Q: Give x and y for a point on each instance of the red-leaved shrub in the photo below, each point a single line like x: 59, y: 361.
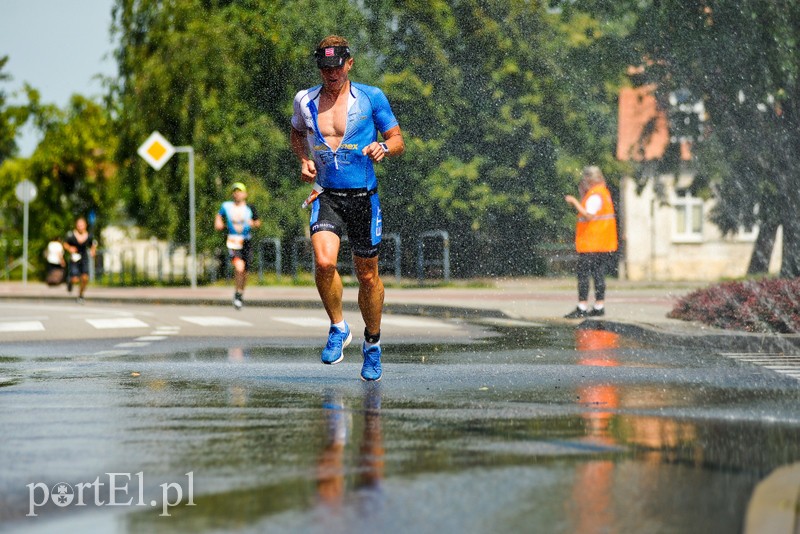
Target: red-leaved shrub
x: 768, y: 306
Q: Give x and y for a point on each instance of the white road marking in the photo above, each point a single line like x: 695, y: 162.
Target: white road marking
x: 132, y: 344
x: 150, y: 338
x: 21, y: 326
x: 126, y: 322
x: 166, y: 330
x: 413, y: 322
x: 498, y: 321
x: 112, y: 353
x: 401, y: 322
x: 309, y: 322
x: 786, y: 364
x: 215, y: 321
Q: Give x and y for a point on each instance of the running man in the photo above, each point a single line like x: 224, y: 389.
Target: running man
x: 238, y: 219
x: 334, y: 134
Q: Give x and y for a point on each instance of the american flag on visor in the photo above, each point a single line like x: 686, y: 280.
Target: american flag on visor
x: 329, y: 52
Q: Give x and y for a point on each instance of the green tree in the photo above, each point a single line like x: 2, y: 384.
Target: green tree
x: 485, y: 92
x: 219, y: 76
x: 9, y: 121
x: 72, y: 168
x: 501, y: 107
x: 740, y: 58
x: 11, y: 118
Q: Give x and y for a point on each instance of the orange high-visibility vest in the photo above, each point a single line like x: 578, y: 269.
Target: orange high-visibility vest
x: 600, y: 233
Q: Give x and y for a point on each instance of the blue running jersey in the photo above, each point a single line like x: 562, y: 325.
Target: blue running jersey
x: 236, y: 218
x: 368, y: 112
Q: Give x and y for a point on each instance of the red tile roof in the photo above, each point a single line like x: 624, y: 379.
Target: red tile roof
x: 643, y: 133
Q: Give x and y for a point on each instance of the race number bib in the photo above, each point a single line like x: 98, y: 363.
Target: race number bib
x: 235, y: 241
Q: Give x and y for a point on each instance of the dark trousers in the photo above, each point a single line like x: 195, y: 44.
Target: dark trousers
x: 594, y: 265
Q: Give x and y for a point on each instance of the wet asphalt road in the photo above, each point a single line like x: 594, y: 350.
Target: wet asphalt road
x: 476, y: 427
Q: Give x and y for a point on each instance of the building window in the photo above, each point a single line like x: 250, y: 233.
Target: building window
x: 688, y: 217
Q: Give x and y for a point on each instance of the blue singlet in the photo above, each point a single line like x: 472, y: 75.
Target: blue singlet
x: 368, y: 112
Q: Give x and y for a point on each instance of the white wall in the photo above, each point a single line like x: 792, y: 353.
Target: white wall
x: 123, y: 245
x: 653, y: 251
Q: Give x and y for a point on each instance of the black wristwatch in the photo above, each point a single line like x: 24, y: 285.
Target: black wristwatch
x: 385, y: 147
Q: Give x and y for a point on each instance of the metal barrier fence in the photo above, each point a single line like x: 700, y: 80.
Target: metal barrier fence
x: 392, y: 259
x: 171, y: 263
x: 559, y: 259
x: 152, y: 264
x: 440, y: 265
x: 274, y: 244
x: 306, y: 255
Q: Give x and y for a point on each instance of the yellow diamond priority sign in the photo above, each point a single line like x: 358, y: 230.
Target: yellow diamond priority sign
x: 156, y: 150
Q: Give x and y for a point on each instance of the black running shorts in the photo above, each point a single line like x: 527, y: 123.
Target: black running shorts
x: 355, y: 212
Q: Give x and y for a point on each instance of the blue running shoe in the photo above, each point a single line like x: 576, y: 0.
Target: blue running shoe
x: 337, y: 341
x: 371, y: 370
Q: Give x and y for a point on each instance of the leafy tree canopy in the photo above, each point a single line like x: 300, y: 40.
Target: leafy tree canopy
x: 501, y: 103
x: 741, y: 60
x: 72, y: 168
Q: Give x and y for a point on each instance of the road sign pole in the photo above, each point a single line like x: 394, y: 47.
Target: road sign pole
x: 25, y: 241
x: 192, y: 225
x: 25, y: 192
x: 156, y: 151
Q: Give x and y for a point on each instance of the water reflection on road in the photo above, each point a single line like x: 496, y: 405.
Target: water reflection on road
x: 367, y: 469
x: 553, y: 430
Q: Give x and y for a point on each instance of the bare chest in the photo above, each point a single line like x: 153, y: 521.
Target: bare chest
x: 332, y: 119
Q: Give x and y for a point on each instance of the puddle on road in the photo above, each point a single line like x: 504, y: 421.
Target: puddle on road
x: 567, y: 430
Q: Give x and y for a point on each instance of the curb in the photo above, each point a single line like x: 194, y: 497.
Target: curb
x: 716, y: 340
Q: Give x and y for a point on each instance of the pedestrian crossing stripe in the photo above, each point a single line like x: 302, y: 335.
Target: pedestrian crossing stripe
x: 785, y: 364
x: 215, y: 321
x: 160, y: 333
x: 123, y: 322
x: 310, y: 322
x: 21, y: 326
x: 401, y: 322
x: 413, y: 322
x: 166, y: 330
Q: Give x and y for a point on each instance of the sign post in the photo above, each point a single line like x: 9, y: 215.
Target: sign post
x: 25, y: 192
x: 156, y: 151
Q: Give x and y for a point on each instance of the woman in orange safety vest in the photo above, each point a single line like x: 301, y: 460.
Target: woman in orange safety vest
x: 595, y: 240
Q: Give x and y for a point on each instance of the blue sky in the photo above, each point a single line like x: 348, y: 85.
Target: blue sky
x: 58, y: 47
